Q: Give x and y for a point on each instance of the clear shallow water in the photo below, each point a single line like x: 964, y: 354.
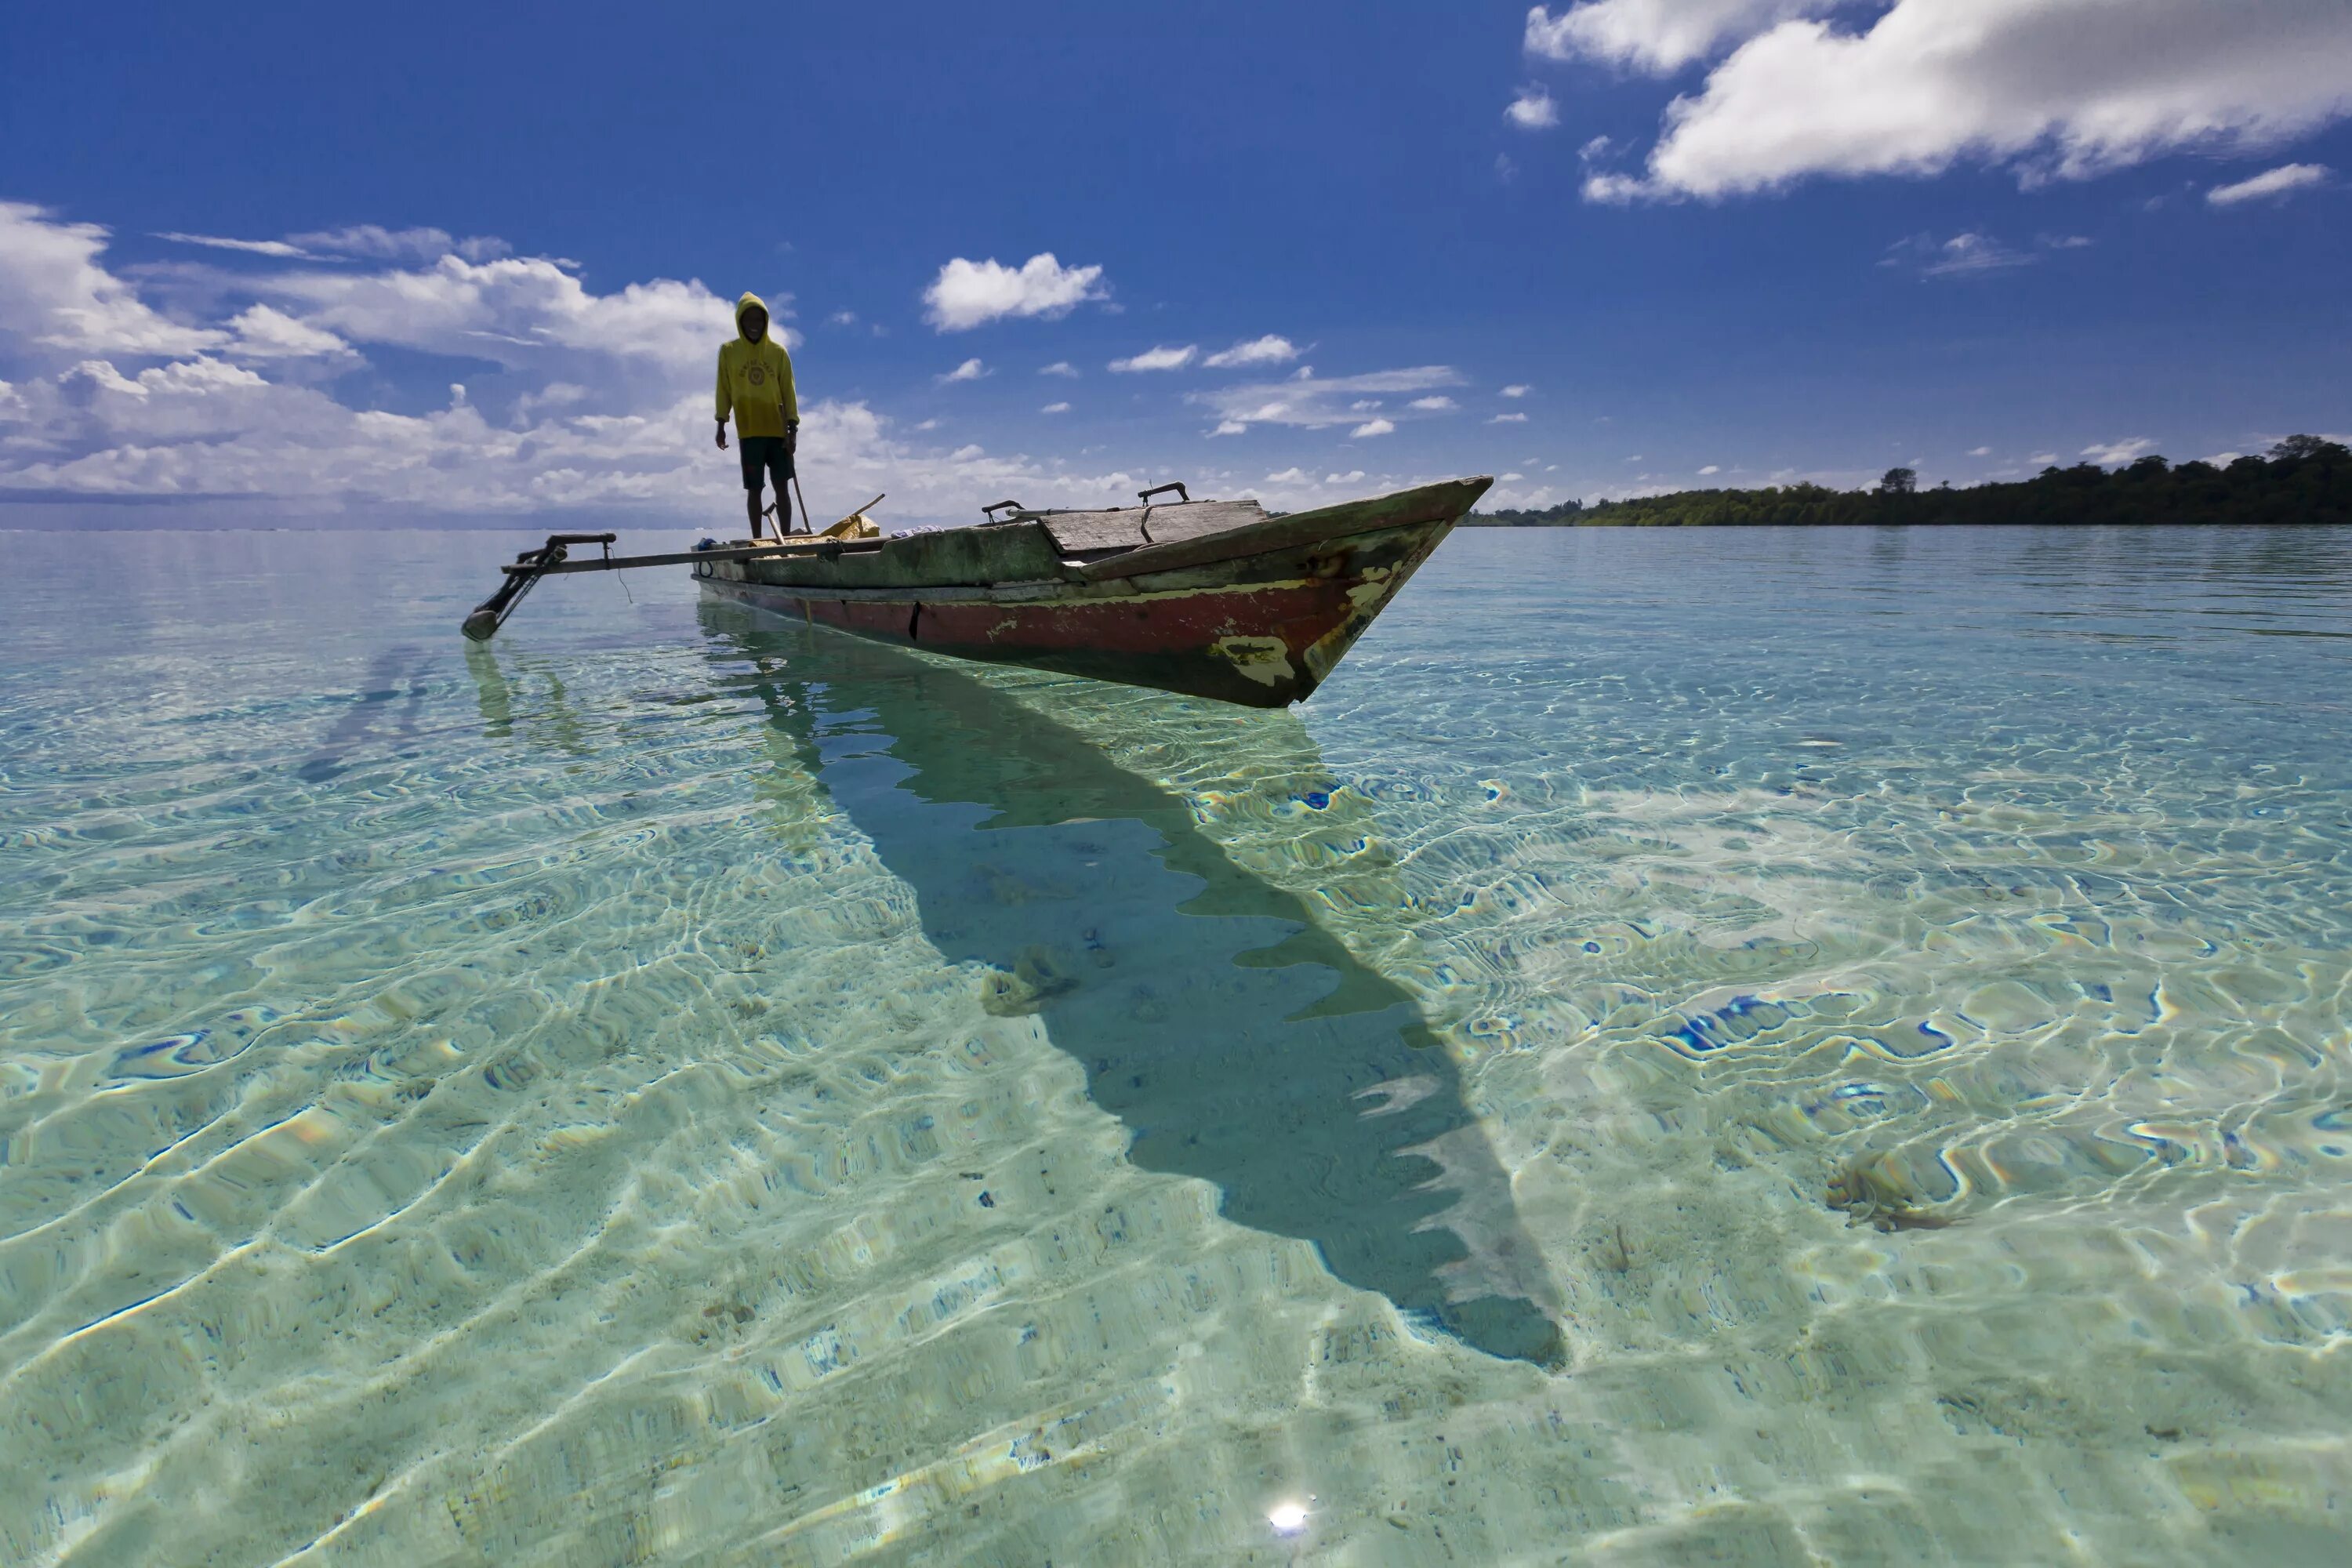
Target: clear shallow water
x: 672, y: 1088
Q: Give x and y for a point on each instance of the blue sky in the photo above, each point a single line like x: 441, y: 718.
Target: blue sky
x: 1710, y: 242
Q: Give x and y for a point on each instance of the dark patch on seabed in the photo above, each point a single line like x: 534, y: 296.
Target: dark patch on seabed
x: 1239, y: 1042
x: 395, y: 673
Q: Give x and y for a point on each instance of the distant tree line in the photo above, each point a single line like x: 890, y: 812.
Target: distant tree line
x: 2304, y: 479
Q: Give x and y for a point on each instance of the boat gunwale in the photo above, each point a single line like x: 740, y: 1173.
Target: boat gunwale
x: 1070, y: 587
x: 1446, y: 501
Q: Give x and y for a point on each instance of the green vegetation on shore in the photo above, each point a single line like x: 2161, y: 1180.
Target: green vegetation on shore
x: 2304, y: 479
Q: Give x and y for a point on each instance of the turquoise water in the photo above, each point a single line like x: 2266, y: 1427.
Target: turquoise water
x: 1733, y: 1045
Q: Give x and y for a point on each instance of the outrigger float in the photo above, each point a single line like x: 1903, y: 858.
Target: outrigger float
x: 1210, y: 598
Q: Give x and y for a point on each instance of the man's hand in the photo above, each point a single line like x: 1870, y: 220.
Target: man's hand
x: 722, y: 435
x: 792, y: 439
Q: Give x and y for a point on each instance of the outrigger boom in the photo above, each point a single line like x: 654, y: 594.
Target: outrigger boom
x: 550, y: 561
x: 553, y: 557
x: 527, y: 568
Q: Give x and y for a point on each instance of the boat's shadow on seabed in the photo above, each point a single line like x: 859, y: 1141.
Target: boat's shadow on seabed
x: 1239, y: 1042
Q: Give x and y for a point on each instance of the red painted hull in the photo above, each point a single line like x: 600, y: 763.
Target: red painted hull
x: 1258, y: 617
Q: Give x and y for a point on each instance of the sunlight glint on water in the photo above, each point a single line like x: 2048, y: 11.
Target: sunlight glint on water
x: 1726, y: 1045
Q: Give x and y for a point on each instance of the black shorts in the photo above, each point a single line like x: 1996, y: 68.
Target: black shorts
x: 766, y: 453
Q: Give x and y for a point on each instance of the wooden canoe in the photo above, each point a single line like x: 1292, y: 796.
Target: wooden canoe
x: 1211, y: 599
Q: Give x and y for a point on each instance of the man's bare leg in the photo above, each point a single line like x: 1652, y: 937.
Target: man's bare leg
x: 752, y: 506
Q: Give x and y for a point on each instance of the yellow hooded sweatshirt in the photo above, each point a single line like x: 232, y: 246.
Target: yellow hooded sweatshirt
x: 755, y: 380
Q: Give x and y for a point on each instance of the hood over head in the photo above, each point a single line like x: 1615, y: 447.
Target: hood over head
x: 746, y: 303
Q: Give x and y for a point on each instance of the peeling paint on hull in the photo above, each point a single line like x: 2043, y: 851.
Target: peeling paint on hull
x: 1261, y: 626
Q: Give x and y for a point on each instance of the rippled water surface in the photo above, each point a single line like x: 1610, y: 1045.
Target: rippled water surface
x: 1733, y: 1045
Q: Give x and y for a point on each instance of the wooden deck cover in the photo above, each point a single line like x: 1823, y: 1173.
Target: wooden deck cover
x: 1013, y: 552
x: 1132, y: 527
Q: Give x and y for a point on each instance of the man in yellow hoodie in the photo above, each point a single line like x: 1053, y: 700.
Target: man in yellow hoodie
x: 755, y: 381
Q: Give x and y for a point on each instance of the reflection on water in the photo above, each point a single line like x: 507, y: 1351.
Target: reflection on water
x: 669, y: 1088
x: 1238, y: 1042
x: 386, y: 709
x: 551, y: 722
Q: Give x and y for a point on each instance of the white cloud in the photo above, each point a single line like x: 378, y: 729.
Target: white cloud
x: 375, y: 242
x: 265, y: 334
x: 56, y: 299
x: 1654, y: 36
x: 1506, y: 495
x: 523, y: 313
x: 276, y: 247
x: 1287, y: 476
x: 1510, y: 479
x: 1961, y: 254
x: 1533, y: 109
x: 2051, y: 88
x: 2279, y: 182
x: 1306, y: 402
x: 370, y: 241
x: 968, y: 294
x: 213, y: 419
x: 1230, y: 427
x: 197, y: 377
x: 970, y: 370
x: 1980, y: 451
x: 1614, y: 189
x: 1353, y: 476
x: 1371, y: 427
x: 842, y: 318
x: 2068, y: 241
x: 555, y: 394
x: 1436, y: 404
x: 1054, y: 408
x: 2042, y: 459
x: 1517, y: 391
x: 2110, y: 454
x: 1711, y: 468
x: 604, y: 399
x: 1508, y: 419
x: 1061, y: 367
x: 1162, y: 358
x: 1267, y: 349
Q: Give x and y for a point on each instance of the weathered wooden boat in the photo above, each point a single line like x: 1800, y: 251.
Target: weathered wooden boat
x: 1212, y: 598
